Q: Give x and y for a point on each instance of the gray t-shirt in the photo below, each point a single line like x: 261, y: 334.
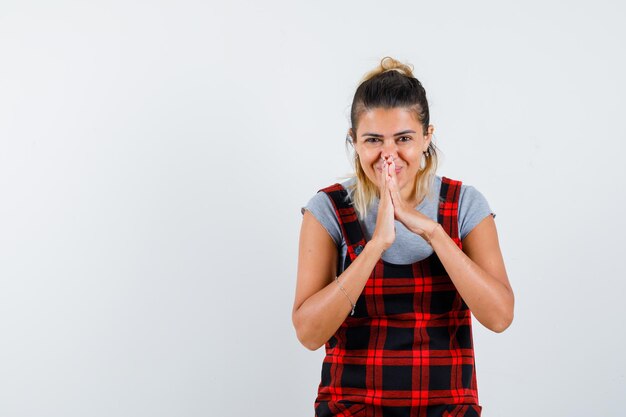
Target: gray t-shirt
x: 408, y: 247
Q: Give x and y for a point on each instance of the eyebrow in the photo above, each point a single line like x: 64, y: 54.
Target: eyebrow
x: 376, y: 135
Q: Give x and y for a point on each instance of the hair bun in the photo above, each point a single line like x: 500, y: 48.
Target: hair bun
x: 390, y: 64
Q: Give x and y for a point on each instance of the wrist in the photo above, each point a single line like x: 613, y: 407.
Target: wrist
x: 411, y: 219
x: 434, y: 233
x: 375, y: 248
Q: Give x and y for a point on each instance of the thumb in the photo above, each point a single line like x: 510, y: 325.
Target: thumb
x: 384, y: 174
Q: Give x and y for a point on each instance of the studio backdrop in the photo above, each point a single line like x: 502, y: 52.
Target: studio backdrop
x: 154, y: 158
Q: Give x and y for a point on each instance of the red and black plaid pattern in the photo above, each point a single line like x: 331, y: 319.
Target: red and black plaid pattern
x: 408, y: 349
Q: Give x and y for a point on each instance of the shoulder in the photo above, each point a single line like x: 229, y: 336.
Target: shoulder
x: 322, y: 198
x: 322, y: 207
x: 473, y: 208
x: 345, y: 186
x: 470, y: 196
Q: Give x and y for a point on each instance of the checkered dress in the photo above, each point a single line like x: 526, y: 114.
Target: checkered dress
x: 407, y: 350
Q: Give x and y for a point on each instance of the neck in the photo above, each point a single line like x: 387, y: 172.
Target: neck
x: 410, y: 196
x: 409, y: 193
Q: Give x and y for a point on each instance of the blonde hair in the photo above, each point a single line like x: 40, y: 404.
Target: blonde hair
x: 390, y: 85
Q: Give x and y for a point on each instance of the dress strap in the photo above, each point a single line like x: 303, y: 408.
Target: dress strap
x: 348, y: 219
x: 448, y: 215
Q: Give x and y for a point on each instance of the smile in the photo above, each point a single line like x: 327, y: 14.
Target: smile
x: 380, y: 169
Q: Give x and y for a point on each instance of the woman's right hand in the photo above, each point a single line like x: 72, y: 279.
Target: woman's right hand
x: 385, y: 231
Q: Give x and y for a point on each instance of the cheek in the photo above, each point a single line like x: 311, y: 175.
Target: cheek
x: 368, y: 159
x: 367, y: 164
x: 411, y: 156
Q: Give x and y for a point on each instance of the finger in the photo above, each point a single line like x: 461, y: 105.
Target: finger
x: 384, y: 175
x: 380, y: 176
x: 392, y: 167
x: 383, y: 180
x: 394, y: 189
x: 392, y: 170
x: 389, y: 169
x: 389, y: 165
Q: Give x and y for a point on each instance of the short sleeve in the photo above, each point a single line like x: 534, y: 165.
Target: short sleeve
x: 473, y: 208
x: 323, y: 210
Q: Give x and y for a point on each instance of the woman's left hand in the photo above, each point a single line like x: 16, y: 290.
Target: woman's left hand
x: 412, y: 219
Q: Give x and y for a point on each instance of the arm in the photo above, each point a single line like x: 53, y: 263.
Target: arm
x: 478, y: 272
x: 320, y: 306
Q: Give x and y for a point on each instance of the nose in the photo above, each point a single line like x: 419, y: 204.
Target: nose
x: 389, y: 149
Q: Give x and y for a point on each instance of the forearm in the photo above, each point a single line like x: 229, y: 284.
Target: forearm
x: 319, y: 317
x: 489, y: 300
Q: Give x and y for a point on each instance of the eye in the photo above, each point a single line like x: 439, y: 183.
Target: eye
x: 371, y: 140
x: 404, y: 138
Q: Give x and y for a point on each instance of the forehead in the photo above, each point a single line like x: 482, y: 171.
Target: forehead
x: 388, y: 121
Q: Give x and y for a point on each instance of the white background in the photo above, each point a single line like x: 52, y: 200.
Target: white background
x: 154, y: 157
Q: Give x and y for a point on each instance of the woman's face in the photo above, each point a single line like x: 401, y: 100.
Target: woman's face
x: 392, y: 132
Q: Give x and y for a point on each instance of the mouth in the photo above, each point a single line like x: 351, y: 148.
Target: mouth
x: 380, y: 169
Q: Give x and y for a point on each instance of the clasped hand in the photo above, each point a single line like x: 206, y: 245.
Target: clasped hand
x: 392, y: 207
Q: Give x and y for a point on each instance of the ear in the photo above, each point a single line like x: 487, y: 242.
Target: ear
x: 351, y: 140
x: 429, y: 136
x: 351, y: 134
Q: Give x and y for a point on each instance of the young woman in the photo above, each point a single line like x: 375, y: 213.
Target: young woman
x: 392, y: 261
